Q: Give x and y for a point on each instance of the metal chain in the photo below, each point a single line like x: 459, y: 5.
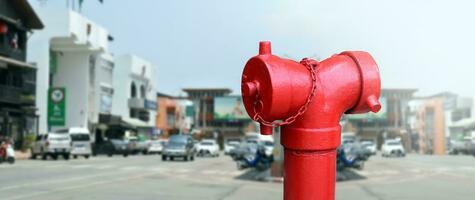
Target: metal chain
x: 311, y: 65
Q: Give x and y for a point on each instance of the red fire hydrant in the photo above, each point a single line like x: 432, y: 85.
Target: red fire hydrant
x: 307, y: 99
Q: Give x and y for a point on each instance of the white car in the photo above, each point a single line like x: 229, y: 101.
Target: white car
x: 156, y: 146
x: 370, y: 146
x: 52, y: 144
x: 230, y: 145
x: 393, y: 148
x: 208, y: 147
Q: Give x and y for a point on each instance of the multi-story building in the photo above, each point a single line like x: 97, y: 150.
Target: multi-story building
x: 135, y: 93
x: 219, y: 114
x: 174, y: 115
x: 75, y: 70
x: 436, y: 118
x: 427, y: 125
x: 203, y: 101
x: 18, y: 115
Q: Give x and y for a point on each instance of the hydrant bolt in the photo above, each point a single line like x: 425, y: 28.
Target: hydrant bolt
x: 265, y: 48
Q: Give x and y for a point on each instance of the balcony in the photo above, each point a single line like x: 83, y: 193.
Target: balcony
x: 136, y: 103
x: 9, y: 94
x: 142, y: 104
x: 16, y: 95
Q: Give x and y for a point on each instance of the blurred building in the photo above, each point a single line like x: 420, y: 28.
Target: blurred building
x: 428, y: 125
x: 435, y: 118
x: 186, y: 115
x: 390, y: 122
x: 174, y: 115
x: 203, y: 102
x: 462, y: 130
x: 17, y: 77
x: 75, y: 70
x: 218, y: 113
x: 135, y: 93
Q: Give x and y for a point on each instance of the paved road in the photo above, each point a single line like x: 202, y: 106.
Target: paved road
x: 135, y: 177
x: 414, y: 177
x: 147, y: 177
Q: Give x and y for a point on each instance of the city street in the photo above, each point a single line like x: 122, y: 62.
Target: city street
x: 147, y: 177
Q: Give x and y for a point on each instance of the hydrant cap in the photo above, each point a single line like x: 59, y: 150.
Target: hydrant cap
x: 266, y: 82
x: 370, y: 82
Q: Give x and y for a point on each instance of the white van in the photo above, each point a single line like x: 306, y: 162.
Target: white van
x: 80, y: 141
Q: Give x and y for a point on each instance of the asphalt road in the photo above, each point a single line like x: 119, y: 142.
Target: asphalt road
x: 414, y: 177
x: 147, y: 177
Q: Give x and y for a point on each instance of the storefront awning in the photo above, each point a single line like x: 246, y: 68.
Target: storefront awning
x: 464, y: 123
x: 135, y: 122
x: 4, y: 61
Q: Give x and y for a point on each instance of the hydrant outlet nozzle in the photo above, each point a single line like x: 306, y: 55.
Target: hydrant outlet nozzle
x: 373, y: 104
x: 266, y: 129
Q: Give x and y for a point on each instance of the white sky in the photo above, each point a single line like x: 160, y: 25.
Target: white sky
x: 424, y: 44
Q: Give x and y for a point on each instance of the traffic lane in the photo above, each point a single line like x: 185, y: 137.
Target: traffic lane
x: 164, y: 187
x: 434, y: 188
x: 38, y: 170
x: 414, y: 177
x: 86, y: 175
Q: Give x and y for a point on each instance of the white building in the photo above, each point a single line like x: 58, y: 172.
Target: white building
x: 72, y: 53
x: 135, y: 93
x: 186, y: 120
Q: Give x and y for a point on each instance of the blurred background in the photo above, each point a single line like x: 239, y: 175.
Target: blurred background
x: 105, y: 99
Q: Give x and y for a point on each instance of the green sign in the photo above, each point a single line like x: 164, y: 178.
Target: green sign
x: 190, y: 111
x: 56, y: 106
x: 229, y: 108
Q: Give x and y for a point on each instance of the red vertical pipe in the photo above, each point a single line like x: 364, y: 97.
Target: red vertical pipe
x: 309, y: 174
x: 311, y: 141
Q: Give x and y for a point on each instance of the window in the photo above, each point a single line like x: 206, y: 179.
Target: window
x: 142, y: 91
x: 133, y: 90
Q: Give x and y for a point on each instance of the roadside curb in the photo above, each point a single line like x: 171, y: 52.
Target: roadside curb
x: 275, y: 179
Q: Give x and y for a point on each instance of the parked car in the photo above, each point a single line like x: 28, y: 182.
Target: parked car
x: 80, y: 141
x: 156, y: 146
x: 179, y: 146
x: 393, y: 148
x: 269, y: 146
x: 462, y: 146
x: 246, y: 148
x: 231, y: 144
x: 208, y: 147
x: 53, y: 145
x: 113, y: 146
x: 138, y: 145
x: 370, y: 146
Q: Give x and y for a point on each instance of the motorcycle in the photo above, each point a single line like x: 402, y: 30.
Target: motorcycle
x: 348, y: 161
x: 259, y: 160
x: 7, y: 154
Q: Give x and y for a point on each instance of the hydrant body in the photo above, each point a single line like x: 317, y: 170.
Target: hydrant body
x: 309, y: 98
